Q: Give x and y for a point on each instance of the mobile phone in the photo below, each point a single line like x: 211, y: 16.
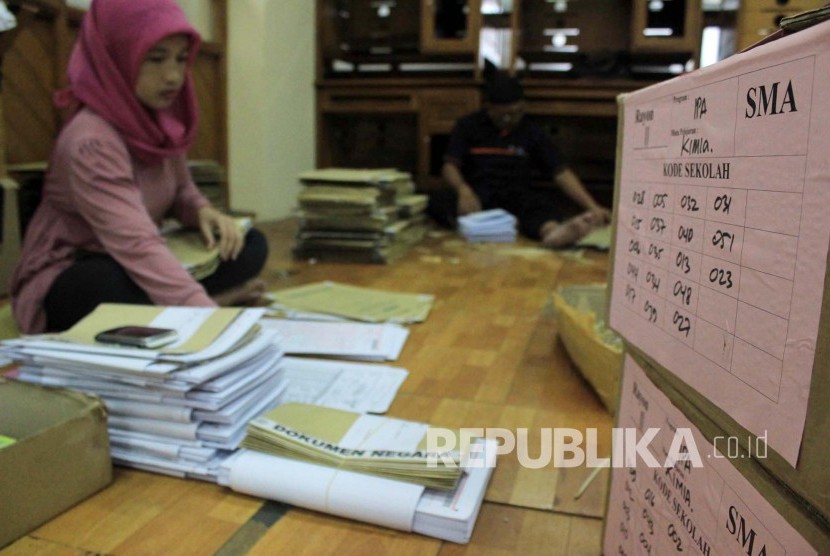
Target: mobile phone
x: 138, y: 336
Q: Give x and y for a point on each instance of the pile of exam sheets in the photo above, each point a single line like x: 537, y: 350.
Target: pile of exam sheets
x: 373, y: 444
x: 180, y: 410
x: 312, y: 472
x: 444, y: 514
x: 358, y: 215
x: 496, y: 225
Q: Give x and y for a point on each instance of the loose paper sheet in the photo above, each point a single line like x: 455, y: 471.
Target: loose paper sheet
x: 350, y: 386
x: 354, y: 340
x: 690, y: 510
x: 722, y: 230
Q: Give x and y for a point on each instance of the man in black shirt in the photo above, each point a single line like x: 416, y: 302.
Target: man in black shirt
x: 490, y: 162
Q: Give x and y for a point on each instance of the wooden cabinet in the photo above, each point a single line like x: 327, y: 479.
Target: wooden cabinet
x: 393, y: 76
x: 404, y: 127
x: 666, y: 25
x: 450, y: 25
x: 368, y: 127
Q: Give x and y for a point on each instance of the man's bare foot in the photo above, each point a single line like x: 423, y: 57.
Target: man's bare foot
x: 249, y: 294
x: 556, y: 235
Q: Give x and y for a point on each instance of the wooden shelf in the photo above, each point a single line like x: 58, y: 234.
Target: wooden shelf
x: 372, y: 48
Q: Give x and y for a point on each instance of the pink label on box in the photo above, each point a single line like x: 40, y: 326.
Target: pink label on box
x: 724, y: 193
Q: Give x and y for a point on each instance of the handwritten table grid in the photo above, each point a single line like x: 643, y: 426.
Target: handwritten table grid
x: 720, y: 255
x: 739, y: 318
x: 720, y: 248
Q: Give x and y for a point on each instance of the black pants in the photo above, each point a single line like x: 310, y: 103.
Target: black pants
x: 98, y: 278
x: 531, y: 206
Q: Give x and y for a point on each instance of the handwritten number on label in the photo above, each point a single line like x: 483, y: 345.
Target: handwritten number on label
x: 657, y: 225
x: 683, y: 324
x: 689, y: 203
x: 683, y: 291
x: 722, y: 203
x: 721, y: 277
x: 675, y: 538
x: 651, y: 311
x: 655, y: 251
x: 682, y: 262
x: 724, y: 240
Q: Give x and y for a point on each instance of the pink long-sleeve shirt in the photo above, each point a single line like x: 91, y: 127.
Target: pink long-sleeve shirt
x: 97, y: 197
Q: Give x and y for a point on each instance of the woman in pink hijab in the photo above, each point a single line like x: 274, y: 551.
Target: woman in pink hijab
x: 117, y: 170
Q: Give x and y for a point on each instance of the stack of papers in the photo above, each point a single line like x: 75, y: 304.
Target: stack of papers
x: 351, y: 302
x: 495, y: 225
x: 382, y: 446
x: 445, y: 514
x: 179, y: 410
x: 358, y: 215
x: 344, y: 340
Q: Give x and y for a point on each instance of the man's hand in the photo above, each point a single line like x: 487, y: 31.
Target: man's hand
x: 220, y: 231
x: 601, y: 214
x: 468, y: 202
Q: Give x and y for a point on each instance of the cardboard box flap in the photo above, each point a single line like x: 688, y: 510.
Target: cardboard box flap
x: 27, y: 410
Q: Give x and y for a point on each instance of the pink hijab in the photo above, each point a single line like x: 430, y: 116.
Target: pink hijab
x: 114, y: 38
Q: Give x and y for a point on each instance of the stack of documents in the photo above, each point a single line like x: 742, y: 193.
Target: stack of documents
x: 333, y: 300
x: 178, y: 410
x: 495, y: 225
x: 445, y: 514
x: 372, y: 444
x: 358, y: 215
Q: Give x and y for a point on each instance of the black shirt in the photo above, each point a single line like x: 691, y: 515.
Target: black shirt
x: 493, y: 162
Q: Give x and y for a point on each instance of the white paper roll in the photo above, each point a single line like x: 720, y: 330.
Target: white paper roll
x: 343, y: 493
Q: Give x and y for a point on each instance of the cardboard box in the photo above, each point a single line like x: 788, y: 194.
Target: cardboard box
x: 720, y: 501
x: 57, y: 455
x: 721, y: 250
x: 811, y: 479
x: 595, y: 349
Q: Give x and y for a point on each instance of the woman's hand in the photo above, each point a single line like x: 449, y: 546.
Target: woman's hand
x: 220, y: 231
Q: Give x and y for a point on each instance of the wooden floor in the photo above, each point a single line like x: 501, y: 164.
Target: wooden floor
x: 487, y: 356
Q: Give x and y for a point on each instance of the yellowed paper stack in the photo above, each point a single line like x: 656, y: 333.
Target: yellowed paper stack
x: 382, y: 446
x: 189, y: 248
x: 352, y: 302
x: 358, y: 215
